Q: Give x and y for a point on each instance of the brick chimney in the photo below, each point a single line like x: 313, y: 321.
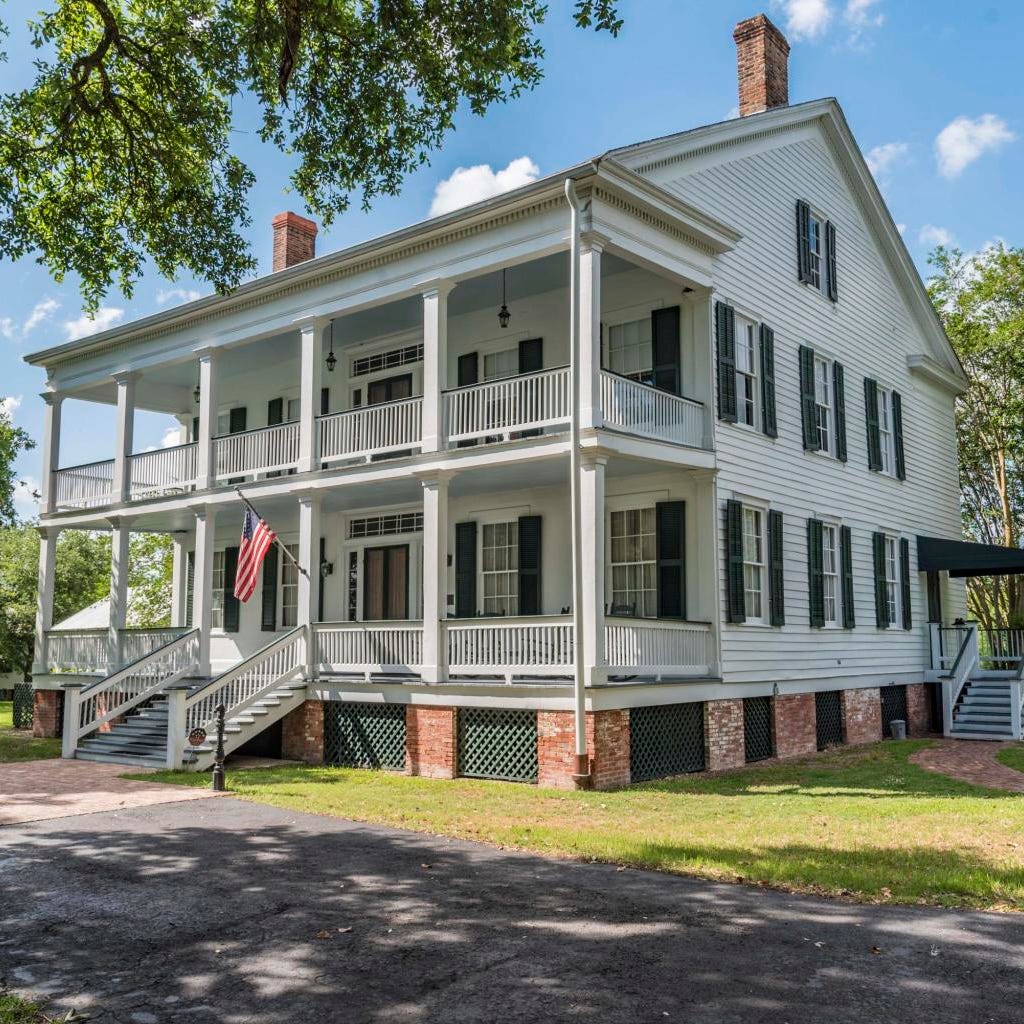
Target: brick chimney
x: 762, y: 64
x: 294, y: 240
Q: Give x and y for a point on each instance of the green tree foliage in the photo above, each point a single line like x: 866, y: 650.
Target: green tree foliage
x: 149, y: 580
x: 981, y: 302
x: 13, y: 441
x: 121, y: 147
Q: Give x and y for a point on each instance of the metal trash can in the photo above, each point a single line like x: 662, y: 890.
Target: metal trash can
x: 898, y: 729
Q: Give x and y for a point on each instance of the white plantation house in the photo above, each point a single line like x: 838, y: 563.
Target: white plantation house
x: 645, y: 467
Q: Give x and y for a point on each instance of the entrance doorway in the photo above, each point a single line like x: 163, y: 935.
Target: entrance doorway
x: 386, y: 582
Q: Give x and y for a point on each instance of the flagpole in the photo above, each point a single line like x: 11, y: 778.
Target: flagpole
x: 249, y: 505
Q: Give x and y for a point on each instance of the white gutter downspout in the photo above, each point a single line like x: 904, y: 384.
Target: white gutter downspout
x: 581, y: 776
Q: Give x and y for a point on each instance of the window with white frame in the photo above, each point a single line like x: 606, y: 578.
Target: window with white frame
x: 630, y: 350
x: 823, y: 411
x: 830, y: 572
x: 885, y: 432
x: 818, y: 264
x: 754, y: 564
x: 289, y: 587
x: 501, y: 364
x: 217, y: 595
x: 746, y: 372
x: 292, y: 410
x: 633, y: 562
x: 892, y: 579
x: 500, y: 567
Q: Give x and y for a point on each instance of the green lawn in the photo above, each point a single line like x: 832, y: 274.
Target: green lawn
x: 860, y: 823
x: 21, y: 745
x: 1013, y: 757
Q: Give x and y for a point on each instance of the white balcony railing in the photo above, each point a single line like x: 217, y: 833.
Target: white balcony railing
x: 366, y: 648
x: 84, y: 486
x: 640, y: 409
x: 660, y: 648
x: 260, y: 451
x: 532, y: 401
x: 371, y: 430
x: 164, y: 471
x: 528, y: 646
x: 77, y: 650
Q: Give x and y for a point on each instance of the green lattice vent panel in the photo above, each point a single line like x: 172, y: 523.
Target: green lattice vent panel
x: 757, y: 728
x: 828, y: 713
x: 894, y: 706
x: 22, y: 710
x: 498, y: 743
x: 364, y: 735
x: 666, y: 740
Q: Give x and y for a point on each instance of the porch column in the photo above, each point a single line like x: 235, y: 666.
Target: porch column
x: 179, y: 572
x: 119, y: 540
x: 311, y: 359
x: 435, y: 577
x: 125, y: 434
x: 591, y: 247
x: 51, y: 449
x: 208, y: 402
x: 592, y: 471
x: 309, y: 572
x: 435, y: 362
x: 202, y: 588
x: 48, y: 536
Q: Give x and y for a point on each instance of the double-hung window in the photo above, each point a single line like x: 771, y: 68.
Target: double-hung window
x: 500, y: 568
x: 217, y: 595
x: 885, y: 431
x: 823, y: 412
x: 830, y: 573
x: 633, y: 562
x: 498, y: 365
x: 746, y: 372
x: 816, y: 237
x: 892, y: 579
x: 754, y: 564
x: 289, y: 588
x: 631, y: 350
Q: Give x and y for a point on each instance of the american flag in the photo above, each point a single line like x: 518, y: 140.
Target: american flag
x: 256, y: 540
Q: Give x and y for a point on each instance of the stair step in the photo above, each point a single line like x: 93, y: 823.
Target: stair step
x: 128, y: 759
x: 122, y: 745
x: 978, y: 727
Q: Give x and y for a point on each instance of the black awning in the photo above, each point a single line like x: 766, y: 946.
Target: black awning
x: 962, y: 558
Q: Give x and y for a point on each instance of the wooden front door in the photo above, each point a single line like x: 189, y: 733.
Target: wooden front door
x: 386, y: 582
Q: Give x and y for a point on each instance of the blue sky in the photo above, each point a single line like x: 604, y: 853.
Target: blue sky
x: 930, y: 88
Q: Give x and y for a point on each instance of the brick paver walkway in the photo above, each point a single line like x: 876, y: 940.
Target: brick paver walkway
x: 971, y: 761
x: 36, y: 790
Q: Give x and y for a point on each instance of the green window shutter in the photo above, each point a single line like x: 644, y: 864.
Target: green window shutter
x: 803, y: 241
x: 665, y: 350
x: 816, y: 572
x: 231, y: 603
x: 529, y: 565
x: 275, y: 412
x: 465, y: 570
x: 531, y: 356
x: 846, y: 574
x: 830, y: 260
x: 897, y: 435
x: 807, y: 402
x: 195, y: 429
x: 839, y: 402
x: 325, y: 401
x: 236, y: 420
x: 871, y: 418
x: 321, y: 587
x: 467, y: 370
x: 725, y: 357
x: 736, y: 607
x: 908, y: 618
x: 670, y: 555
x: 769, y: 418
x: 881, y: 602
x: 776, y: 572
x: 268, y: 615
x: 190, y: 586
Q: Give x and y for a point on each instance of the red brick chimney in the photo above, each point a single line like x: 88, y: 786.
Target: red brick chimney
x: 762, y: 64
x: 294, y: 240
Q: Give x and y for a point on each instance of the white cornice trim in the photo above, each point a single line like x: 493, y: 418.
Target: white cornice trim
x: 927, y: 368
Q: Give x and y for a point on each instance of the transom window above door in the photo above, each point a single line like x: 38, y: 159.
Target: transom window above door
x: 630, y: 350
x: 633, y: 562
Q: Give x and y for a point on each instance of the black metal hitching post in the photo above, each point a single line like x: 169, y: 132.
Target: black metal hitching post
x: 218, y: 757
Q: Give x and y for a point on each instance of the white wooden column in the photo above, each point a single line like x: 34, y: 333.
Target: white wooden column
x: 311, y: 361
x: 179, y: 579
x: 51, y: 449
x: 48, y: 536
x: 435, y: 577
x: 202, y: 586
x: 208, y: 403
x: 591, y: 247
x: 125, y: 434
x: 592, y: 502
x: 309, y: 572
x: 435, y: 362
x: 119, y: 540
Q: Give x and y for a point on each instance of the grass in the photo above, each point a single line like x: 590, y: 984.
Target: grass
x: 14, y: 1010
x: 21, y: 745
x: 1012, y: 757
x: 859, y: 823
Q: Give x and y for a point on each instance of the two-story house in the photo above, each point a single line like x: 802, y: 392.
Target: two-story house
x: 615, y: 475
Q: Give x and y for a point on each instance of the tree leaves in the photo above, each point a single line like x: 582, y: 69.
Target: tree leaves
x: 13, y: 441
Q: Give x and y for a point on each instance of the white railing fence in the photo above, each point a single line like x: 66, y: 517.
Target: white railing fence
x: 366, y: 648
x: 77, y: 650
x: 264, y: 450
x: 527, y: 646
x: 658, y: 648
x: 531, y: 401
x: 964, y: 665
x: 84, y: 486
x: 640, y: 409
x: 137, y: 643
x: 371, y: 430
x: 164, y: 471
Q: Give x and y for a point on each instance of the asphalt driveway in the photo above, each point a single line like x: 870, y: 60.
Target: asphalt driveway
x: 220, y: 910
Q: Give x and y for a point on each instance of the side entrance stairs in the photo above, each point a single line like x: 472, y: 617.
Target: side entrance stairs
x: 984, y: 710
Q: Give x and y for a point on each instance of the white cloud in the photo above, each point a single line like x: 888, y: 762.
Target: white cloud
x: 860, y: 15
x: 9, y: 406
x: 172, y: 437
x: 931, y: 235
x: 472, y: 184
x: 901, y: 228
x: 166, y: 296
x: 732, y: 114
x: 962, y: 141
x: 7, y: 327
x: 42, y: 310
x: 805, y: 19
x: 881, y: 158
x: 106, y: 317
x: 26, y: 498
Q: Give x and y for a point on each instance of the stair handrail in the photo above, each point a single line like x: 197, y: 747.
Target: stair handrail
x: 1017, y: 702
x: 963, y: 667
x: 133, y: 684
